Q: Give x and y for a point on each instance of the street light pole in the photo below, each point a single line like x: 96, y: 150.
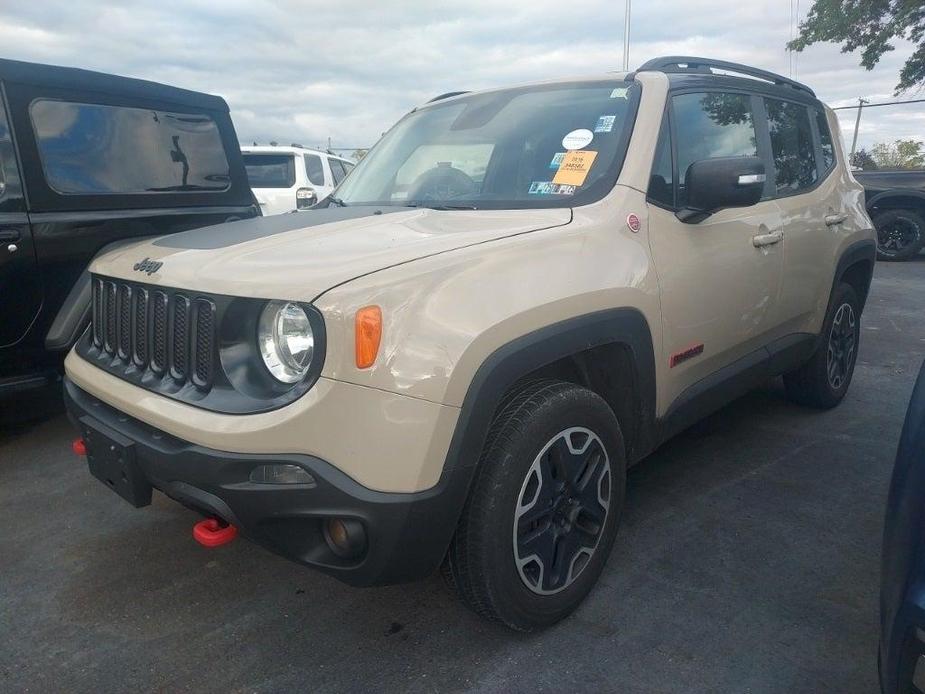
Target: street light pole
x: 857, y: 125
x: 626, y: 37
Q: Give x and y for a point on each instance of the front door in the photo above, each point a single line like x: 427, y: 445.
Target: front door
x: 719, y: 279
x: 20, y: 285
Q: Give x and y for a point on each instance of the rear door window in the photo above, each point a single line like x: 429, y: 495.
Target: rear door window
x: 97, y: 149
x: 711, y: 125
x: 791, y: 146
x: 314, y: 169
x: 270, y: 170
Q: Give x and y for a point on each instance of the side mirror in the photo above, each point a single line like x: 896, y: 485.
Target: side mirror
x: 715, y: 184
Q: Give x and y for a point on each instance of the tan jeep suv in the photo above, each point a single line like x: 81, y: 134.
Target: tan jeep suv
x: 516, y: 295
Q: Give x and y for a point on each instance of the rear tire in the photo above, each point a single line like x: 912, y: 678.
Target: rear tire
x: 823, y: 381
x: 900, y: 234
x: 544, y: 507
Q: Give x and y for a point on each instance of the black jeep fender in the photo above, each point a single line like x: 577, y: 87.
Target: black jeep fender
x: 74, y: 315
x: 513, y: 362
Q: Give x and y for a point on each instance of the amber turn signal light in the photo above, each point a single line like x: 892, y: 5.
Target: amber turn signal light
x: 368, y: 334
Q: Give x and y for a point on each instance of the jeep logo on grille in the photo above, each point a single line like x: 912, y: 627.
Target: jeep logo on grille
x: 147, y: 265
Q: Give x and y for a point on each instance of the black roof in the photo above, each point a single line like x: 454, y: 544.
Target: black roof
x: 104, y: 83
x: 690, y: 71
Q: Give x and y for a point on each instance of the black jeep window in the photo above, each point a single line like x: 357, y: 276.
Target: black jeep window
x: 270, y: 170
x: 314, y: 169
x: 95, y: 149
x: 711, y: 125
x: 661, y: 181
x: 825, y: 140
x: 792, y: 146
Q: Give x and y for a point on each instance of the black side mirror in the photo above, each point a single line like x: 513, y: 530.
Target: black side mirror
x: 715, y: 184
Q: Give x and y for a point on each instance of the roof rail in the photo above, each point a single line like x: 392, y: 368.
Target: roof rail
x: 684, y: 63
x: 447, y: 95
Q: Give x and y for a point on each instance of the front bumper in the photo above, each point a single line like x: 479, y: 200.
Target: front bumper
x: 407, y: 534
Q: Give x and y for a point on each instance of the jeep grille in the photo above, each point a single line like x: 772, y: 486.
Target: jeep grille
x: 163, y: 331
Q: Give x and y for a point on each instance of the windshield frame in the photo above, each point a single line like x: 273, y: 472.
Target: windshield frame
x: 593, y: 193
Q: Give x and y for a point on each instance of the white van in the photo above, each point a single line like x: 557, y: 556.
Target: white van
x: 285, y: 179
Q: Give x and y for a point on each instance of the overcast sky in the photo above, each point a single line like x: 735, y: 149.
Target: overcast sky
x: 346, y: 70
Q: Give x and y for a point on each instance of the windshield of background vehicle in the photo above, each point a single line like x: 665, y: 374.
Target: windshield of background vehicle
x: 553, y: 145
x: 270, y: 170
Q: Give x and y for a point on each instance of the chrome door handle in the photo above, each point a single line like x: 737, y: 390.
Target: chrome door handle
x: 833, y: 219
x: 9, y: 235
x: 767, y: 239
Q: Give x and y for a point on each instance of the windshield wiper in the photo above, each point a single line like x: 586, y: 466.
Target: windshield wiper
x: 441, y: 206
x: 336, y: 201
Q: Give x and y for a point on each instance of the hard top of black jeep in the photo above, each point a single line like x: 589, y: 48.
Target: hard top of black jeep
x: 100, y: 82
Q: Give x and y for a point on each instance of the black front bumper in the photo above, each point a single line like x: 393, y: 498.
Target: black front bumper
x: 406, y: 534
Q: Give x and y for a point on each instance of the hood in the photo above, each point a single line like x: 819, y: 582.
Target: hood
x: 301, y: 255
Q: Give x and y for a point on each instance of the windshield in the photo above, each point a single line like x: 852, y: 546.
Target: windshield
x: 270, y: 170
x: 541, y: 146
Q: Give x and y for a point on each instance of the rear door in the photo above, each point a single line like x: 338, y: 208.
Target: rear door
x: 20, y: 286
x: 812, y: 204
x: 719, y: 290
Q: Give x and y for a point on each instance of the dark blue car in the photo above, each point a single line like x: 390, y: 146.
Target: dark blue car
x: 902, y: 592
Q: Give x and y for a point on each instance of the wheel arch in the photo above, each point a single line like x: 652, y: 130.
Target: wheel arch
x: 622, y: 333
x: 897, y: 199
x: 856, y: 268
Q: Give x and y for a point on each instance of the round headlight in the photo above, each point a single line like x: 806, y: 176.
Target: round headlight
x: 286, y: 341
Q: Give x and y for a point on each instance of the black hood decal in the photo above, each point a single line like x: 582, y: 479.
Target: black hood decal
x: 241, y: 231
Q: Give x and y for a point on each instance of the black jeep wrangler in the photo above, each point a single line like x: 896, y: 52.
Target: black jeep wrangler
x: 87, y: 161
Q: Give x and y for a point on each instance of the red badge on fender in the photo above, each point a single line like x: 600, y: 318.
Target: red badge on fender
x: 632, y: 221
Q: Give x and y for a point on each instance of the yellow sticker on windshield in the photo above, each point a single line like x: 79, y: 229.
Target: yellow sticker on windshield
x: 574, y: 167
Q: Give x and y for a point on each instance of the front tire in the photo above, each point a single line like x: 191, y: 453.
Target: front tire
x: 900, y: 234
x: 544, y: 507
x: 823, y: 381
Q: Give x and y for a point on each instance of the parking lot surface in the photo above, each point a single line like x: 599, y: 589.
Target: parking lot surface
x: 747, y: 562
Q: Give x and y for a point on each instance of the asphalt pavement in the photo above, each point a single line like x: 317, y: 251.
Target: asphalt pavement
x: 747, y: 562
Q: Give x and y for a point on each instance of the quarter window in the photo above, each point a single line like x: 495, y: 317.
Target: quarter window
x: 314, y: 169
x: 337, y: 170
x: 661, y: 181
x: 791, y: 146
x: 91, y: 149
x: 711, y: 125
x: 825, y: 140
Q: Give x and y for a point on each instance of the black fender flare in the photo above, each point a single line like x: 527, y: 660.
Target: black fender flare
x: 512, y: 362
x: 74, y: 315
x: 859, y: 251
x: 894, y: 193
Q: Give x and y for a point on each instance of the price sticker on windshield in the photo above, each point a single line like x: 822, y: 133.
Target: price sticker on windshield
x: 574, y: 167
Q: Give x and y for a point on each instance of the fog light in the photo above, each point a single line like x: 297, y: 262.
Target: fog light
x: 281, y: 474
x: 345, y: 536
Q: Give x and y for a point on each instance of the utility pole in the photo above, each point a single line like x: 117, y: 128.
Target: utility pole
x: 626, y: 37
x: 857, y: 125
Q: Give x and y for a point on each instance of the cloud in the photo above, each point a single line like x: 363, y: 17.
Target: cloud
x: 308, y: 71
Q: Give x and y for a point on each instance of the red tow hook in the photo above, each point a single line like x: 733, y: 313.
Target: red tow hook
x: 79, y: 447
x: 214, y: 532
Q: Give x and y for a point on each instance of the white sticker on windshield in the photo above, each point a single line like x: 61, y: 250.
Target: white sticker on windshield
x: 578, y: 139
x: 619, y: 93
x: 556, y: 160
x: 604, y: 124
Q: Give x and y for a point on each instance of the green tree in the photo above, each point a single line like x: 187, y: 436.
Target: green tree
x: 869, y: 25
x: 901, y: 154
x: 864, y: 161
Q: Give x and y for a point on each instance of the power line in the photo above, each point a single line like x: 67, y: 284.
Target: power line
x: 885, y: 103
